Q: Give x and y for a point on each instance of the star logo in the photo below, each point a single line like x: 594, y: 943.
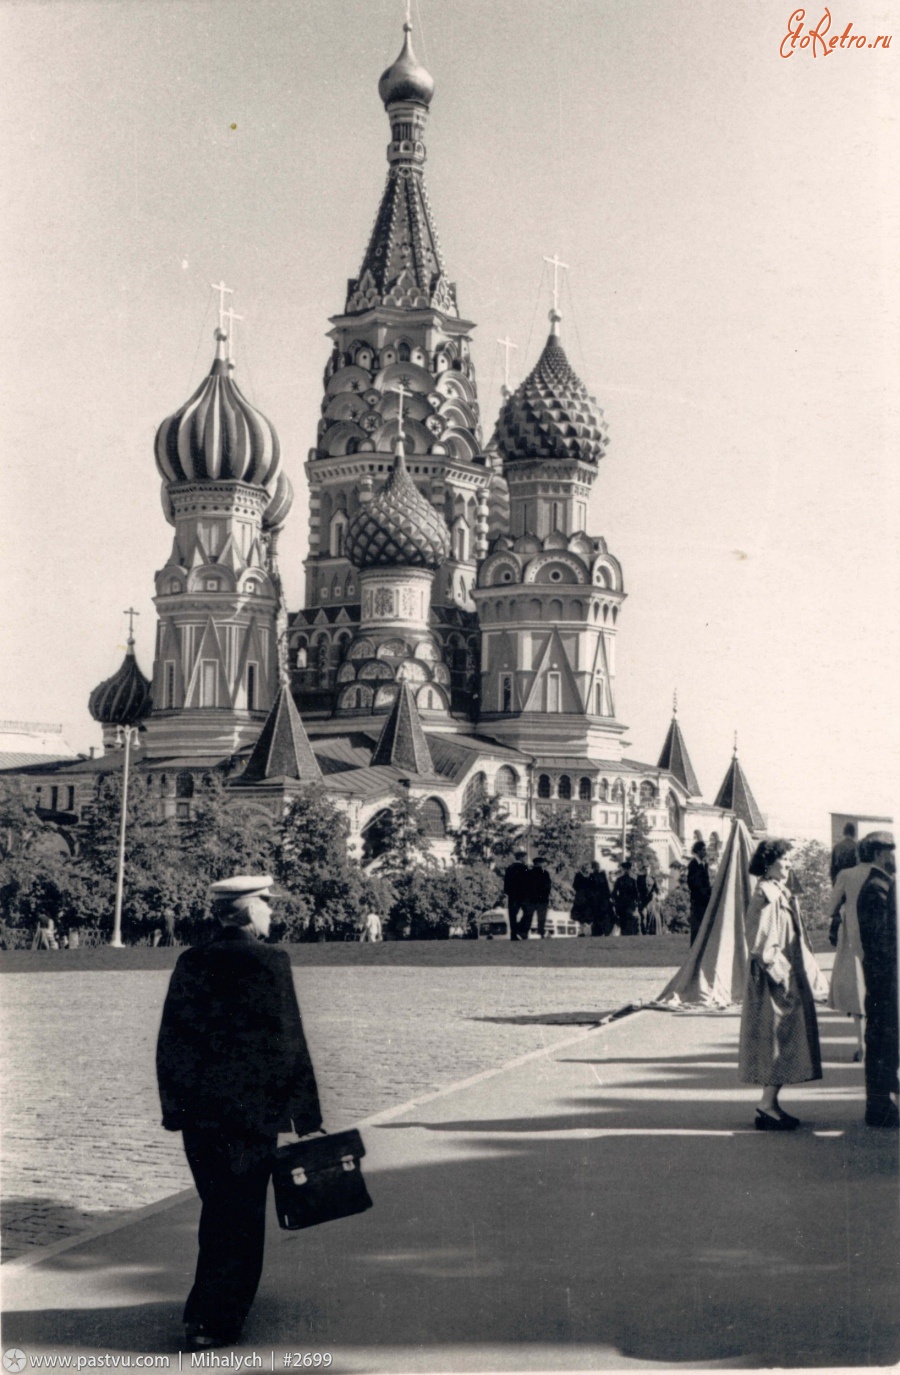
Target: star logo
x: 14, y: 1360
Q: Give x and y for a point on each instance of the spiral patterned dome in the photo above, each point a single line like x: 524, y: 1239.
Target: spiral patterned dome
x: 551, y: 414
x: 123, y: 699
x: 406, y: 79
x: 278, y: 509
x: 398, y: 527
x: 218, y: 436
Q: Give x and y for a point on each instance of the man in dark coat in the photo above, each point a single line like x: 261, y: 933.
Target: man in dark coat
x: 876, y: 909
x: 603, y: 916
x: 699, y: 886
x: 537, y: 899
x: 626, y: 901
x: 234, y: 1072
x: 515, y: 886
x: 846, y: 853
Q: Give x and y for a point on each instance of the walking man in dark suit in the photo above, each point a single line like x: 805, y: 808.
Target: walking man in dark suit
x: 234, y: 1072
x: 515, y: 886
x: 876, y: 910
x: 537, y: 899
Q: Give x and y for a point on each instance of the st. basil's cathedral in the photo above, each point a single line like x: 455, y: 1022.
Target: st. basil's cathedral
x: 459, y: 633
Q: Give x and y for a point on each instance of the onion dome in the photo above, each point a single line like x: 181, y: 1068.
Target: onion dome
x: 218, y: 436
x: 398, y: 527
x: 551, y: 414
x: 406, y: 79
x: 123, y: 699
x: 278, y: 509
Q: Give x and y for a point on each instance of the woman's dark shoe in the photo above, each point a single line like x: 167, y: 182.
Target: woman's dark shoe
x: 857, y: 1056
x: 765, y: 1123
x: 791, y: 1123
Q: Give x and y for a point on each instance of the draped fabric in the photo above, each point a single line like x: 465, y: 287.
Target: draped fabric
x: 715, y: 971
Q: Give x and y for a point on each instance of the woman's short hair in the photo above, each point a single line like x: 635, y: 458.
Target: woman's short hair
x: 766, y: 853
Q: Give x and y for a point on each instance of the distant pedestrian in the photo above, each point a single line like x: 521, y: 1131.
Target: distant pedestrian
x: 845, y: 853
x: 779, y: 1040
x: 877, y: 912
x: 651, y: 908
x: 603, y: 915
x: 234, y: 1073
x: 156, y: 936
x: 537, y: 899
x: 582, y: 905
x: 74, y: 938
x: 371, y: 928
x: 168, y: 935
x: 515, y: 886
x: 627, y: 902
x: 847, y: 992
x: 45, y: 935
x: 699, y: 886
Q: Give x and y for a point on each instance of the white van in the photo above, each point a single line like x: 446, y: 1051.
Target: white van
x: 494, y: 925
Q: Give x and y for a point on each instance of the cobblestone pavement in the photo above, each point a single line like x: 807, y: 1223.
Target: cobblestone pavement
x: 81, y: 1136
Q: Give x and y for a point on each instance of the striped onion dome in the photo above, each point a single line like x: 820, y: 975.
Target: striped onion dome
x: 218, y: 436
x: 551, y: 414
x: 406, y: 79
x: 398, y: 527
x: 123, y: 699
x: 278, y: 509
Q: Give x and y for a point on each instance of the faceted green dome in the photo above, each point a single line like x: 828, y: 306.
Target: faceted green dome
x: 398, y: 527
x: 551, y: 414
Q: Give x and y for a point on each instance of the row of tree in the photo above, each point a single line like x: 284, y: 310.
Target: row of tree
x: 171, y: 863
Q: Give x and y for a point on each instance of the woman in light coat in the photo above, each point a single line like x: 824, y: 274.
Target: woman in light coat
x: 779, y: 1031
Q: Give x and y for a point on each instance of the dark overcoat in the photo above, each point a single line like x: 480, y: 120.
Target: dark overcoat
x: 231, y: 1054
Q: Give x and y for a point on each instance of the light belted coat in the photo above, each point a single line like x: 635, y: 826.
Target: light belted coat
x: 779, y: 1030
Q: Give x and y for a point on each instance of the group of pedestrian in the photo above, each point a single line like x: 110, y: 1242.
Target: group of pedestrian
x: 46, y: 936
x: 779, y: 1038
x: 527, y: 888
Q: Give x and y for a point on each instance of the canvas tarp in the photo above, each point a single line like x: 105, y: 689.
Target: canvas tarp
x: 715, y: 971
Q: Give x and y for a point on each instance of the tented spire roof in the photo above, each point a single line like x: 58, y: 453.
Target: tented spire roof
x: 283, y: 749
x: 402, y: 743
x: 735, y: 796
x: 676, y: 760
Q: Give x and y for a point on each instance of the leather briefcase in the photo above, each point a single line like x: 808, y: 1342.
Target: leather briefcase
x: 319, y: 1180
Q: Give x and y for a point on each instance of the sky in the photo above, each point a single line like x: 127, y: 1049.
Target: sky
x: 729, y: 218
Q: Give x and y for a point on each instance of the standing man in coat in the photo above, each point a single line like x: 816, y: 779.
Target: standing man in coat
x: 845, y: 854
x: 626, y: 901
x: 699, y: 886
x: 537, y: 898
x: 515, y: 886
x: 234, y: 1073
x: 876, y: 910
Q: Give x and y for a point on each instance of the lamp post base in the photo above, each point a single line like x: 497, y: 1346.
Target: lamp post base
x: 117, y: 943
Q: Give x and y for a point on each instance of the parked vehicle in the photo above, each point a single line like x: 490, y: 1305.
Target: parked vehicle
x: 494, y: 925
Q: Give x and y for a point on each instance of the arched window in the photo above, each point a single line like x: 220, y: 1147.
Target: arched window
x: 648, y: 793
x: 618, y: 791
x: 603, y: 790
x: 337, y: 534
x: 476, y: 789
x: 565, y: 786
x: 433, y: 818
x: 584, y: 790
x: 544, y: 786
x: 461, y: 541
x: 506, y: 783
x: 184, y: 785
x: 556, y: 520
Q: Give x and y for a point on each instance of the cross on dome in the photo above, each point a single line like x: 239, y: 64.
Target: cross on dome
x: 231, y: 315
x: 506, y: 344
x: 556, y: 263
x: 131, y: 613
x: 401, y: 392
x: 223, y: 290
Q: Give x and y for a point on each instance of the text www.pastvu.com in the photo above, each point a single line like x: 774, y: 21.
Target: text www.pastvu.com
x: 197, y: 1360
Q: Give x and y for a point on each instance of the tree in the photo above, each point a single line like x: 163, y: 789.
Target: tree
x: 430, y: 901
x: 809, y: 861
x: 486, y: 835
x: 329, y: 893
x: 398, y: 839
x: 637, y: 841
x: 561, y: 838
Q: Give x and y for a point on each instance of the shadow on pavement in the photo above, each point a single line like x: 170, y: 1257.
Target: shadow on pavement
x: 673, y: 1248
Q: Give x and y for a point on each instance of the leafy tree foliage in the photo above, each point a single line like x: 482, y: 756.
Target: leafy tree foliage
x: 637, y: 841
x: 486, y: 835
x: 809, y: 861
x: 398, y: 839
x: 430, y: 901
x: 563, y: 841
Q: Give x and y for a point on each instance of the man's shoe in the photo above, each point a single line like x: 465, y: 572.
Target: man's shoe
x: 200, y: 1338
x: 883, y: 1115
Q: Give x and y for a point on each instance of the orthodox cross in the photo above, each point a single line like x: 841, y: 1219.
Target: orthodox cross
x: 409, y: 12
x: 223, y: 290
x: 231, y: 315
x: 735, y: 744
x: 401, y: 392
x: 556, y: 264
x: 506, y: 344
x: 131, y: 613
x: 675, y: 702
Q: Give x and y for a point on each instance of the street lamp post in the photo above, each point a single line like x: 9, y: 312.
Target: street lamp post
x: 124, y: 735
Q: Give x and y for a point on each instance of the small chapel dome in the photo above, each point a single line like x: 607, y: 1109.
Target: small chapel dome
x: 398, y: 527
x: 123, y: 699
x: 218, y: 436
x: 406, y: 79
x: 278, y: 509
x: 551, y: 414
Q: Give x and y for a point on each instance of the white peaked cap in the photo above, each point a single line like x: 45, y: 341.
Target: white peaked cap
x: 241, y: 886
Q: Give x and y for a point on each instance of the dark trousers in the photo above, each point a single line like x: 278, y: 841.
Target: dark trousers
x: 698, y: 912
x: 530, y: 910
x: 514, y: 906
x: 232, y: 1178
x: 881, y: 1034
